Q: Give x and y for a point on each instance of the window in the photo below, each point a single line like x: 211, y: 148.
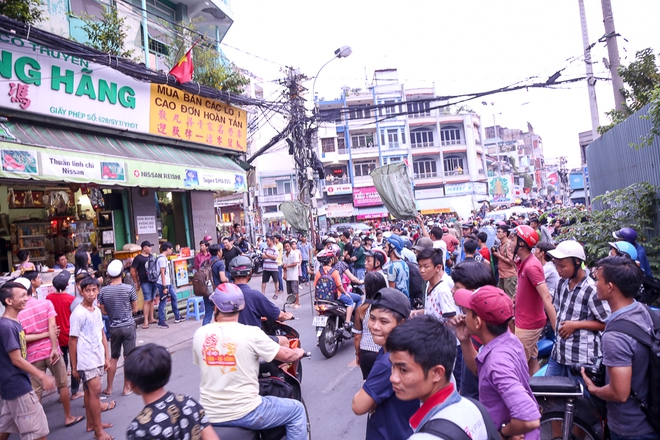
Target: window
x: 341, y: 145
x: 392, y: 136
x: 450, y: 135
x: 270, y: 191
x: 394, y: 159
x: 328, y: 145
x: 425, y: 168
x: 362, y: 141
x: 421, y: 138
x: 359, y: 112
x: 363, y: 169
x: 287, y: 187
x: 418, y: 109
x: 453, y: 166
x: 390, y: 108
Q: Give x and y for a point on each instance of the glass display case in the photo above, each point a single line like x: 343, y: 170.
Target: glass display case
x: 31, y: 237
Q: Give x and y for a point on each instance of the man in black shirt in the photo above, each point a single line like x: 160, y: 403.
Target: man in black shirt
x: 139, y: 275
x: 229, y: 253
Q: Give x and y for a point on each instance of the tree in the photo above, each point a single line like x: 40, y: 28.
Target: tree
x: 642, y: 86
x: 634, y: 206
x: 27, y: 11
x: 107, y: 34
x: 211, y: 68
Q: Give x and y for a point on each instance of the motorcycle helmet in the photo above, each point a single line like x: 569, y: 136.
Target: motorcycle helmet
x: 627, y: 234
x: 527, y: 234
x: 396, y: 243
x: 625, y: 248
x: 379, y: 256
x: 228, y: 298
x: 208, y: 238
x: 240, y: 266
x: 568, y: 249
x: 336, y: 250
x: 325, y: 256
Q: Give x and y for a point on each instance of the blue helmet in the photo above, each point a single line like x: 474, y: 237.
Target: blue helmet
x: 623, y: 247
x: 396, y: 242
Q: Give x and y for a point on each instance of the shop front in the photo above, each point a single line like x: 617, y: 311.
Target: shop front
x: 368, y: 204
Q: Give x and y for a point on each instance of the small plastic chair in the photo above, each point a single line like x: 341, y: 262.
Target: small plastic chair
x: 197, y: 302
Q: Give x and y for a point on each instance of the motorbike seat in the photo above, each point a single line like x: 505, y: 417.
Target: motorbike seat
x: 234, y: 433
x: 555, y: 385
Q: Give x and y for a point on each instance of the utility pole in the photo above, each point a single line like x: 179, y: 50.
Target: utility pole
x: 612, y: 53
x: 591, y: 81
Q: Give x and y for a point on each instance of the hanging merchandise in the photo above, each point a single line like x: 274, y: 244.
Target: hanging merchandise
x: 96, y: 198
x: 296, y: 214
x: 395, y: 188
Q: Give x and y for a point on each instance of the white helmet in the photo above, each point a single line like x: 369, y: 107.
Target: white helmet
x: 568, y: 249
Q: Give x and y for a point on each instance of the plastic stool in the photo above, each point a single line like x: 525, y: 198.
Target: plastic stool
x: 198, y: 307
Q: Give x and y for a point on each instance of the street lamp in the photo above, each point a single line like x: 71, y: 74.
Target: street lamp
x: 342, y: 52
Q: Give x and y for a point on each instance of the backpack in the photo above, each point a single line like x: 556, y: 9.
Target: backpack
x: 326, y: 288
x: 448, y: 430
x: 202, y: 281
x: 415, y: 283
x: 652, y: 407
x: 649, y: 290
x: 153, y: 272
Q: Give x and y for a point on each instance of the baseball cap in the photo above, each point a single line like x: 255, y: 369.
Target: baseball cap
x: 24, y: 282
x: 115, y: 268
x: 146, y: 243
x: 394, y: 300
x: 423, y: 243
x: 568, y: 249
x: 61, y: 280
x: 466, y: 226
x: 491, y: 304
x: 462, y: 297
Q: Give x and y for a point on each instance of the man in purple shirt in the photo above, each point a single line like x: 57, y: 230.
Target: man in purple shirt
x: 500, y: 364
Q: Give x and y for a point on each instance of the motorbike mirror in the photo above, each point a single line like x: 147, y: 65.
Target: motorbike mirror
x: 290, y: 299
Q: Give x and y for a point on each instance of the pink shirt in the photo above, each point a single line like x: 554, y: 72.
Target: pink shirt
x: 34, y: 319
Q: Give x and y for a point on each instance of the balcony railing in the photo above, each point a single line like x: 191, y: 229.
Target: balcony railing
x: 454, y: 173
x: 426, y: 175
x: 342, y: 150
x: 451, y: 142
x: 423, y: 144
x: 393, y: 145
x: 275, y: 198
x: 331, y: 180
x: 420, y: 114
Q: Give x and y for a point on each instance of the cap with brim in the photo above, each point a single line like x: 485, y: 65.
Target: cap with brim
x: 146, y: 243
x: 462, y: 297
x: 492, y: 305
x: 23, y: 282
x: 61, y: 280
x: 423, y: 243
x: 466, y: 226
x: 394, y: 300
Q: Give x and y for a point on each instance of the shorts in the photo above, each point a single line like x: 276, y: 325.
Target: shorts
x: 292, y: 287
x: 509, y: 285
x: 121, y: 337
x: 268, y: 274
x: 148, y: 291
x: 87, y: 375
x: 529, y: 339
x: 24, y: 415
x: 346, y: 300
x: 59, y: 373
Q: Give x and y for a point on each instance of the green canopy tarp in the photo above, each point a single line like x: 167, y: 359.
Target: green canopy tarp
x: 395, y: 188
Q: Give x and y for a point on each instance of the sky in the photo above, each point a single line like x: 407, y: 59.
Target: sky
x: 460, y: 46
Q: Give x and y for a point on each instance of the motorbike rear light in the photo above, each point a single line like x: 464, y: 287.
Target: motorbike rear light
x: 321, y: 308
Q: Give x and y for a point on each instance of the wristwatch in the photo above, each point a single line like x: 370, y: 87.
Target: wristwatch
x: 505, y: 437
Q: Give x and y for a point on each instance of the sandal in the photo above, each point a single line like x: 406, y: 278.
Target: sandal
x: 111, y: 405
x: 275, y: 296
x: 76, y: 421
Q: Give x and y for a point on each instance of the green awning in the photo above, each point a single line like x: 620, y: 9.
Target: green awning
x: 54, y: 154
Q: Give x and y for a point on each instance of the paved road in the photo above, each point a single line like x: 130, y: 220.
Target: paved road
x: 328, y: 384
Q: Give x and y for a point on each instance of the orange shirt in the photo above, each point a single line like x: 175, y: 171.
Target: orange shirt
x: 335, y: 276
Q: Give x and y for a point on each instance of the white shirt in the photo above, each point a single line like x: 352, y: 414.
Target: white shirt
x: 228, y: 357
x: 291, y: 258
x: 440, y: 300
x: 87, y: 326
x: 161, y: 262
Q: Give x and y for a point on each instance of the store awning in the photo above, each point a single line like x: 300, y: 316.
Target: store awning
x: 370, y: 212
x: 579, y: 194
x: 434, y: 206
x: 41, y: 153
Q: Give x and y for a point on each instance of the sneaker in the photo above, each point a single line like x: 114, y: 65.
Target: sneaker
x: 163, y: 325
x: 346, y: 334
x: 178, y: 320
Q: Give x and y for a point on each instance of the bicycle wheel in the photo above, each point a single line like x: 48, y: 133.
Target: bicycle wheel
x: 552, y: 425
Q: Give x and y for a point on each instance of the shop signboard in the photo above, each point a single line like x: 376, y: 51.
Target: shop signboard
x: 334, y: 190
x: 373, y: 215
x: 367, y: 196
x: 70, y: 166
x: 181, y: 272
x: 335, y: 210
x: 428, y: 193
x: 457, y: 189
x: 42, y: 80
x: 146, y: 224
x: 500, y: 189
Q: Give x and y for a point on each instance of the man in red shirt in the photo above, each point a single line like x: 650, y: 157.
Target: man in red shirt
x: 203, y: 254
x: 533, y: 300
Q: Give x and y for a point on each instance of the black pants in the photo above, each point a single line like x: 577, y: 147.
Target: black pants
x: 75, y: 385
x: 367, y: 360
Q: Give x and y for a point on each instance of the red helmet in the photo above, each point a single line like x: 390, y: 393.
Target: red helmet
x: 528, y: 234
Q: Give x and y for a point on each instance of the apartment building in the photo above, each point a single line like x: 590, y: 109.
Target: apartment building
x: 387, y: 123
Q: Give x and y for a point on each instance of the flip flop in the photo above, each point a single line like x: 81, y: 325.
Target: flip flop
x: 111, y: 406
x: 145, y: 327
x: 104, y: 394
x: 128, y: 393
x: 78, y: 420
x: 275, y: 296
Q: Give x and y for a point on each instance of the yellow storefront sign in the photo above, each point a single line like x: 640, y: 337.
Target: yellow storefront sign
x: 436, y: 211
x: 176, y: 114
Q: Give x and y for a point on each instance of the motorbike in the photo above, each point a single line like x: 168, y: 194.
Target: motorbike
x: 329, y: 324
x: 280, y: 379
x: 257, y: 260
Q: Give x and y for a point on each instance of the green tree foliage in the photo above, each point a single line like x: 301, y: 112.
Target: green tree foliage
x: 27, y: 11
x: 211, y: 69
x: 642, y: 86
x: 107, y: 33
x: 634, y: 206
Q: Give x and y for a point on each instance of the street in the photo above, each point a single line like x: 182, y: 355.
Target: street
x: 328, y: 384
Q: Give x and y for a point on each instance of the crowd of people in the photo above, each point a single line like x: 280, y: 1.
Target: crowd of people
x: 445, y: 325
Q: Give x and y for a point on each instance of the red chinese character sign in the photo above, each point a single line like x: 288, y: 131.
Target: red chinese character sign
x: 180, y: 115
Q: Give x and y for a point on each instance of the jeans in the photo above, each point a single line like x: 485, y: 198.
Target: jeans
x: 280, y: 280
x: 304, y: 278
x: 163, y: 303
x: 75, y: 385
x: 275, y: 411
x: 359, y: 273
x: 209, y: 308
x: 651, y: 436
